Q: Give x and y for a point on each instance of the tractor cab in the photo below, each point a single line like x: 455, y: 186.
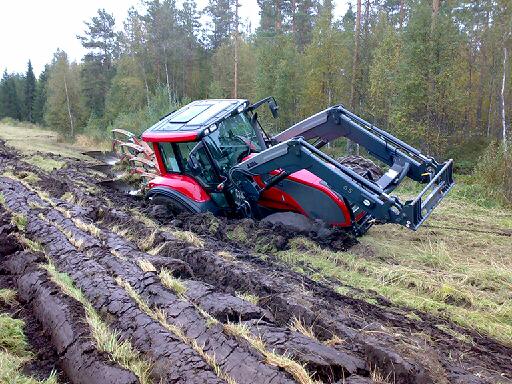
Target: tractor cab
x: 197, y: 145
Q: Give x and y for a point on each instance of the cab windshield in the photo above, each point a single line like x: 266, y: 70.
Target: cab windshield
x: 234, y: 139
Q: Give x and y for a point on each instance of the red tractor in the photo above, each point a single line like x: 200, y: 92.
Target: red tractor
x: 214, y: 156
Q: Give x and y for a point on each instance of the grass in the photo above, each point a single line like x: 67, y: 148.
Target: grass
x: 247, y: 296
x: 44, y: 163
x: 298, y: 326
x: 19, y: 220
x: 14, y: 348
x: 29, y: 244
x: 188, y: 237
x: 86, y: 227
x: 30, y: 139
x: 171, y: 282
x: 12, y: 337
x: 146, y: 243
x: 7, y: 296
x: 456, y: 266
x: 105, y: 339
x: 69, y: 197
x: 11, y: 367
x: 29, y: 177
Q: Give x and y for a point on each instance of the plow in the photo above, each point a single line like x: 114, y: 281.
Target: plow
x: 215, y: 156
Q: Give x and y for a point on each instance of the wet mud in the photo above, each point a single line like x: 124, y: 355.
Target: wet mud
x: 94, y: 236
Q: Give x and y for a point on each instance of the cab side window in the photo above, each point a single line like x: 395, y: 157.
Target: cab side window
x: 197, y: 163
x: 169, y: 157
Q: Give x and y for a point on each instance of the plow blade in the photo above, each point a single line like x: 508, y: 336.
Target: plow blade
x: 121, y: 186
x: 107, y: 170
x: 109, y: 158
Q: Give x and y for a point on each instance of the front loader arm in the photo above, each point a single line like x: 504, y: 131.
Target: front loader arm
x: 296, y: 154
x: 337, y: 121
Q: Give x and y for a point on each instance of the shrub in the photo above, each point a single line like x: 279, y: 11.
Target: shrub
x: 494, y: 173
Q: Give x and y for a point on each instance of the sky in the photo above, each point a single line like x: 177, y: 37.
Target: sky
x: 34, y: 29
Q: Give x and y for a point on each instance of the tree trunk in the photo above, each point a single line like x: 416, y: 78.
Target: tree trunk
x: 503, y: 82
x: 167, y: 82
x: 489, y: 112
x: 355, y: 63
x: 355, y: 70
x: 436, y: 5
x: 469, y: 92
x: 293, y: 4
x: 402, y: 14
x: 235, y: 74
x: 71, y: 123
x: 278, y: 21
x: 483, y: 70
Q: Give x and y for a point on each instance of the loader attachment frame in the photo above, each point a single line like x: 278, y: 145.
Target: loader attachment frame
x: 403, y: 159
x: 294, y: 153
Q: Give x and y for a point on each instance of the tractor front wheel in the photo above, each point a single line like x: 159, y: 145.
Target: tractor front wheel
x: 174, y: 205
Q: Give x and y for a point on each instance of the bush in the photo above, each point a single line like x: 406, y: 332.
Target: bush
x: 466, y: 155
x: 494, y: 173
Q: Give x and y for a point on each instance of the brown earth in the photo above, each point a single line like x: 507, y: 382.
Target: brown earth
x: 203, y: 330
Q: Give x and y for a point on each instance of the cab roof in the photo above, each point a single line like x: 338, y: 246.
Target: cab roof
x: 188, y: 122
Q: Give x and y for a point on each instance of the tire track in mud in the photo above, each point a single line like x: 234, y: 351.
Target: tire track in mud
x: 378, y: 337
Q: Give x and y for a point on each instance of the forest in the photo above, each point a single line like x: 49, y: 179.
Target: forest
x: 435, y: 73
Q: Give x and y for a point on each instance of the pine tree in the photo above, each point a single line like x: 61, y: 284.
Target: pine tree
x: 325, y: 62
x: 222, y: 13
x: 29, y: 94
x: 101, y: 42
x: 40, y: 97
x: 9, y: 103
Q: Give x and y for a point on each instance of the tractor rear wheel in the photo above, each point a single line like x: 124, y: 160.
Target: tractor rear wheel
x: 362, y: 166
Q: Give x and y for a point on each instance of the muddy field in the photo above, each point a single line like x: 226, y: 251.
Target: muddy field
x: 182, y: 300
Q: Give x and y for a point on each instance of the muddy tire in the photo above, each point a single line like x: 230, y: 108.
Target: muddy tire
x: 177, y: 203
x: 362, y: 166
x: 173, y: 205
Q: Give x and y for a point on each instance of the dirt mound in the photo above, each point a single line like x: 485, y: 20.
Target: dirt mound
x: 194, y: 300
x: 362, y: 166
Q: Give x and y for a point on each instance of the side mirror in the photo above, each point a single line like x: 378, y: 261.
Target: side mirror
x: 274, y: 108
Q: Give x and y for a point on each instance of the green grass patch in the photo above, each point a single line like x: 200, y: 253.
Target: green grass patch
x: 31, y: 139
x: 12, y: 337
x: 19, y: 220
x: 44, y: 163
x: 247, y: 296
x: 7, y: 296
x: 11, y: 370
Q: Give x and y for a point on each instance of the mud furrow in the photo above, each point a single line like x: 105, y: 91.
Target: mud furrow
x: 366, y: 339
x: 173, y: 361
x: 229, y: 355
x: 283, y: 297
x: 244, y: 365
x: 63, y: 319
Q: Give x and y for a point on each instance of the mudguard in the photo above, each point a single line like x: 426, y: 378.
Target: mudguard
x: 178, y: 202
